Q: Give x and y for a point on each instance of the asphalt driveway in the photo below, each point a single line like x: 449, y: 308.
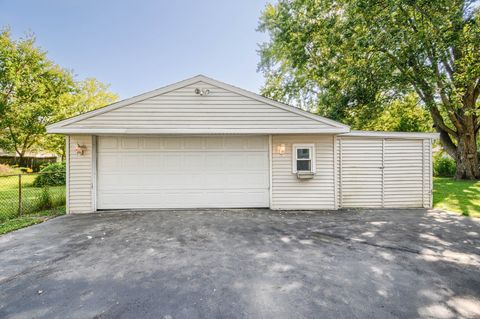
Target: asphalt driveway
x: 243, y: 264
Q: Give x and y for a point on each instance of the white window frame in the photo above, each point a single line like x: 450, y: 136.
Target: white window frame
x: 295, y: 147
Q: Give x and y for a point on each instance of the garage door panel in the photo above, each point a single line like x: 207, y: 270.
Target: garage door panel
x: 214, y: 143
x: 111, y: 160
x: 109, y: 143
x: 168, y: 161
x: 174, y: 172
x: 131, y: 143
x: 173, y: 143
x: 171, y: 198
x: 257, y: 162
x: 235, y: 161
x: 131, y: 163
x: 194, y: 143
x: 236, y: 143
x: 245, y: 181
x: 193, y: 162
x: 256, y: 143
x: 152, y: 143
x: 152, y: 160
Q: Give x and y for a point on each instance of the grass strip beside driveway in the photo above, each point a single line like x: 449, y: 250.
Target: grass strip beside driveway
x: 461, y: 197
x: 28, y: 220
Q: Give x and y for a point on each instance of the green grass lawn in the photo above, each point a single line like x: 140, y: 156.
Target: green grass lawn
x: 457, y: 196
x: 31, y: 219
x: 33, y: 198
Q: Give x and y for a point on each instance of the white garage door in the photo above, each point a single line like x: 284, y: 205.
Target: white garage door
x: 182, y: 172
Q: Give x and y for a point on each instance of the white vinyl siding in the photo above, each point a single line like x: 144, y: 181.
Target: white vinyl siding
x: 361, y: 172
x: 80, y: 175
x: 383, y: 172
x: 370, y: 172
x: 288, y: 192
x: 404, y: 175
x: 182, y: 172
x: 181, y: 109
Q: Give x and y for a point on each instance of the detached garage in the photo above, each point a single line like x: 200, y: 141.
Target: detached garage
x: 201, y: 143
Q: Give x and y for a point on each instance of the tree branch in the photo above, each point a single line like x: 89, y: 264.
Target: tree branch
x: 424, y: 92
x: 476, y: 91
x: 438, y: 120
x: 443, y: 96
x: 447, y: 143
x: 448, y: 68
x: 14, y: 139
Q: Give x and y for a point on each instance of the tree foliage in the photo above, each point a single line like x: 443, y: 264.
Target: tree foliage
x: 35, y: 92
x: 404, y: 114
x: 354, y: 57
x: 89, y: 95
x: 30, y: 87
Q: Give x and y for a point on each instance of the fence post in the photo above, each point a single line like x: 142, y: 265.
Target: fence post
x: 19, y: 194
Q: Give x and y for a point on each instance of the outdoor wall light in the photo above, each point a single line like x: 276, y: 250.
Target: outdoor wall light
x: 202, y: 92
x: 80, y: 149
x: 281, y: 149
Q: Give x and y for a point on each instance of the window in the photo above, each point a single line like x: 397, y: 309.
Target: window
x: 303, y: 158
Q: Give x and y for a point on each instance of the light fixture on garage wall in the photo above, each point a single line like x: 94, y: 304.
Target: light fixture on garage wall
x: 281, y: 149
x: 202, y: 92
x: 80, y: 149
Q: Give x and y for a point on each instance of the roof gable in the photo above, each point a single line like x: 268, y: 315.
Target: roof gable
x: 178, y: 109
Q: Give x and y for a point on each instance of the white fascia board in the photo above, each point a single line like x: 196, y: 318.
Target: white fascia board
x: 408, y: 135
x: 195, y: 79
x: 62, y: 130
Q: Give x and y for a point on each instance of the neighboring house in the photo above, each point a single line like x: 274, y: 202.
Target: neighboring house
x: 204, y: 143
x: 33, y: 160
x: 39, y: 154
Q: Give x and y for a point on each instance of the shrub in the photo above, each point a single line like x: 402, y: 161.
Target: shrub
x: 51, y: 175
x: 444, y: 166
x: 44, y: 201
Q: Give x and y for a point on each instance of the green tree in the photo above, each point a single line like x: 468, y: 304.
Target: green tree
x: 337, y: 56
x: 35, y: 92
x: 405, y: 114
x: 89, y: 95
x: 30, y: 91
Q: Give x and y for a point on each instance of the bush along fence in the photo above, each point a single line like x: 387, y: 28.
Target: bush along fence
x: 22, y: 194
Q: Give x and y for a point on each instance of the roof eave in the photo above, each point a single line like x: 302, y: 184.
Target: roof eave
x: 409, y: 135
x: 337, y: 125
x: 99, y: 131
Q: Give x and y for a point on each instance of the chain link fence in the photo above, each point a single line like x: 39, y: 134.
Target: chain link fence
x: 22, y: 194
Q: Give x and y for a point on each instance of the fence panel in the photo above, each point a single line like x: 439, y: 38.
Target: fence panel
x: 29, y: 193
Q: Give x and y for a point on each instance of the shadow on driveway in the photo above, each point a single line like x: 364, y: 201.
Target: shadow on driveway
x: 244, y: 263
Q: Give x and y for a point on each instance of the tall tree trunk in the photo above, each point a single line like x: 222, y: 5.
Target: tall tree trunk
x: 466, y: 155
x: 464, y: 149
x: 21, y: 156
